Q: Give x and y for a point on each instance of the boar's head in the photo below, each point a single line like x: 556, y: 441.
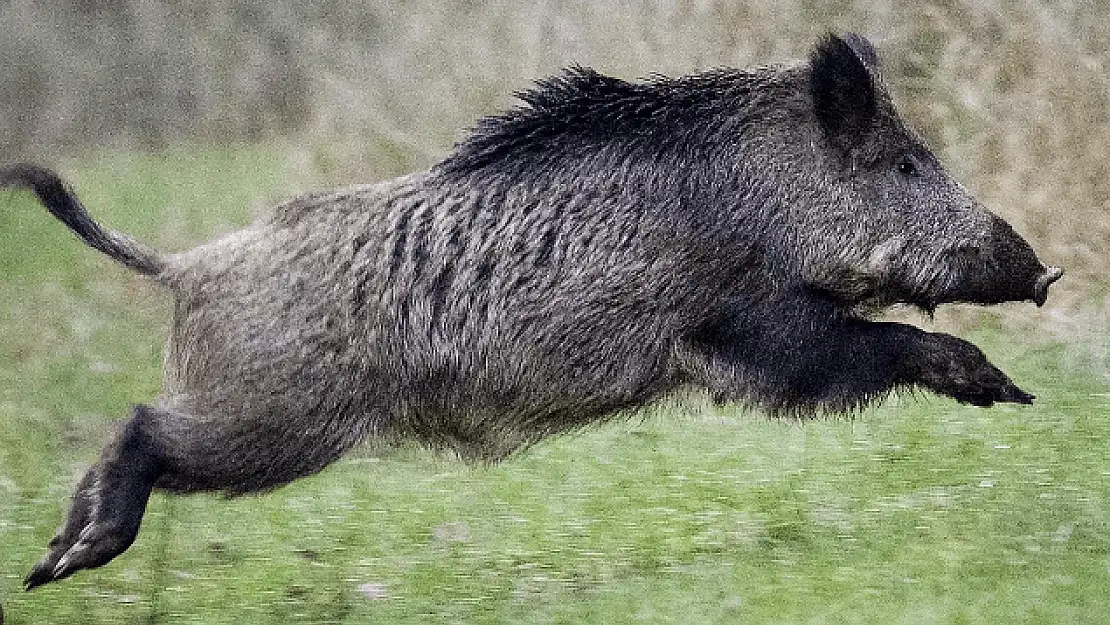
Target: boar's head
x: 882, y: 222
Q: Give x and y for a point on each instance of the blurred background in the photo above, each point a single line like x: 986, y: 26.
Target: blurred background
x: 1015, y: 94
x: 178, y: 120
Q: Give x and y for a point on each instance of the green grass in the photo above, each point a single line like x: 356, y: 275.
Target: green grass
x: 919, y: 511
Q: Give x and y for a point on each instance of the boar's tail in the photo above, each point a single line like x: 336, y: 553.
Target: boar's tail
x: 63, y: 204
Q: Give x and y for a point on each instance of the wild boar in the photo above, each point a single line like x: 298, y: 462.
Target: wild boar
x: 602, y: 245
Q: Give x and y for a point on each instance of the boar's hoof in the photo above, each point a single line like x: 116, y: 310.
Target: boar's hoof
x: 986, y: 386
x: 991, y: 390
x: 107, y: 532
x: 953, y: 367
x: 97, y: 544
x: 107, y: 508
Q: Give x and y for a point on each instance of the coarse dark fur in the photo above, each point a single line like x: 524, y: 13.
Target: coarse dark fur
x: 578, y: 257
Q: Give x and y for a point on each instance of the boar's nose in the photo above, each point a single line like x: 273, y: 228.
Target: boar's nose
x: 1040, y: 289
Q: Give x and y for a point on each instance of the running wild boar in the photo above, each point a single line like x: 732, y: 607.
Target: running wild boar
x: 600, y: 246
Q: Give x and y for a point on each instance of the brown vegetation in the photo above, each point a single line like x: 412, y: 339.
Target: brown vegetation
x: 1014, y: 94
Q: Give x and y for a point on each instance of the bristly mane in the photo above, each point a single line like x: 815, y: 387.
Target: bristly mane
x: 580, y: 110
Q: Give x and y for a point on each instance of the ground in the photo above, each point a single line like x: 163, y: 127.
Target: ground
x: 918, y: 511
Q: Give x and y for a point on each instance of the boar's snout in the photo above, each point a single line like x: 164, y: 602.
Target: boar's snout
x: 1040, y: 287
x: 1003, y: 268
x: 1017, y: 272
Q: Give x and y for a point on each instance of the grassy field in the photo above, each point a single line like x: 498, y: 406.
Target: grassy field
x: 919, y: 511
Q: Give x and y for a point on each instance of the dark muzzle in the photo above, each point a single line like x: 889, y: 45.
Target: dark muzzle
x: 1002, y: 268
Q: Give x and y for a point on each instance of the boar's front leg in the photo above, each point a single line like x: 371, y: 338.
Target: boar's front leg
x: 800, y: 352
x: 952, y: 366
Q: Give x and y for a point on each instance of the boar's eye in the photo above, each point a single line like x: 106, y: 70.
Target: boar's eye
x: 907, y: 166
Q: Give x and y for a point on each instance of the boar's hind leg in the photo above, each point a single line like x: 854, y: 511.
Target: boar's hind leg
x: 108, y: 505
x: 800, y: 352
x: 183, y: 453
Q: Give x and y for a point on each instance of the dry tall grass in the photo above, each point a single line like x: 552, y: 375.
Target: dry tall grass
x: 1014, y: 93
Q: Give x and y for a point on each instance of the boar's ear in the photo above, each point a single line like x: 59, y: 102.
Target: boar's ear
x: 843, y: 88
x: 863, y: 49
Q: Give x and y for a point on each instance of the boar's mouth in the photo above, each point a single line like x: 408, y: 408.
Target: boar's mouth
x: 993, y: 283
x: 951, y: 291
x: 1003, y: 270
x: 1006, y: 269
x: 966, y: 281
x: 996, y: 268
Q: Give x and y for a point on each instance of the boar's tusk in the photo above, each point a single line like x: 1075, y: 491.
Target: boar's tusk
x: 1040, y: 290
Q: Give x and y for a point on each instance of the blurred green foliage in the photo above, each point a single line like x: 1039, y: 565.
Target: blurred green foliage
x: 178, y: 121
